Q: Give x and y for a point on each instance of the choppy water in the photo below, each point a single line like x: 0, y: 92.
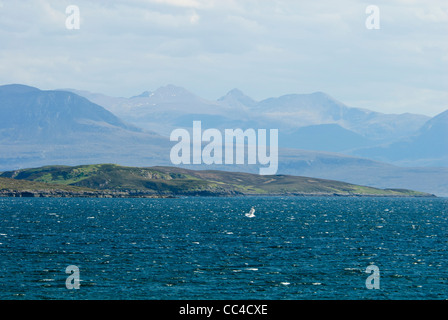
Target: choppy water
x: 205, y: 248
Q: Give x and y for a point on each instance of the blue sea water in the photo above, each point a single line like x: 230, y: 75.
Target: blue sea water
x: 205, y: 248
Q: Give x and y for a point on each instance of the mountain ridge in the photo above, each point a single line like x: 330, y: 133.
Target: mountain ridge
x: 429, y: 142
x: 105, y: 142
x: 288, y: 111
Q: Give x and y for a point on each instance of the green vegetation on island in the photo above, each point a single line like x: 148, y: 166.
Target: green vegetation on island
x: 110, y: 180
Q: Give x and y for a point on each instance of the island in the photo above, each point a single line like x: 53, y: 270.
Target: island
x: 116, y: 181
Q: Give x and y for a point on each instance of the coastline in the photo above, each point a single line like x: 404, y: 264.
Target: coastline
x: 150, y: 195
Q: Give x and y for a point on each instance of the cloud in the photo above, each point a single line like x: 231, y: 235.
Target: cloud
x: 178, y: 3
x: 266, y: 48
x: 194, y: 18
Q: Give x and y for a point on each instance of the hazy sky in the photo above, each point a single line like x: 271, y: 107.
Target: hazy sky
x: 265, y: 48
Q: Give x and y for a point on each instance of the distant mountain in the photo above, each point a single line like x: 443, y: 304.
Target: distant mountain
x: 174, y: 107
x: 236, y: 98
x: 299, y: 110
x: 323, y: 137
x: 178, y: 181
x: 144, y: 94
x: 29, y: 114
x: 363, y: 171
x: 44, y: 127
x: 315, y: 122
x: 163, y: 109
x: 428, y: 147
x: 41, y: 128
x: 103, y: 100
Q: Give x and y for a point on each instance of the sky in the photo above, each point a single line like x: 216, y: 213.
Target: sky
x: 265, y: 48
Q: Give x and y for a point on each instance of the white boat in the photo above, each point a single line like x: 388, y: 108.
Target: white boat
x: 251, y: 213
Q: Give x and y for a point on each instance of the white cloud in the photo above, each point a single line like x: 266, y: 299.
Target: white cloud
x: 194, y: 18
x: 179, y: 3
x: 266, y: 48
x: 432, y: 14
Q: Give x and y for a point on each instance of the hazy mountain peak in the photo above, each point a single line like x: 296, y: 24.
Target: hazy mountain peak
x: 443, y: 116
x: 171, y: 91
x: 439, y: 122
x: 320, y: 93
x: 144, y: 94
x: 323, y: 96
x: 236, y: 97
x: 236, y: 92
x: 316, y: 104
x: 18, y: 88
x: 31, y: 113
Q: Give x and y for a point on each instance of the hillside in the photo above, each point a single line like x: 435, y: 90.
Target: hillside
x: 26, y: 189
x: 171, y: 181
x: 428, y: 146
x: 27, y: 113
x: 54, y: 127
x: 40, y: 127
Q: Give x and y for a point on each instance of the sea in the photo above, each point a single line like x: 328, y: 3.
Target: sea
x: 205, y: 248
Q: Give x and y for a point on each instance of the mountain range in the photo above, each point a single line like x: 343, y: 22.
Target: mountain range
x: 46, y: 127
x: 313, y: 121
x: 329, y: 140
x: 427, y: 146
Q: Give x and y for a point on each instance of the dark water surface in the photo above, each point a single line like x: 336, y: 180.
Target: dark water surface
x: 205, y: 248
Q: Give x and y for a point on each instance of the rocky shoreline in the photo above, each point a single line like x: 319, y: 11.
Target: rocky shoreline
x: 78, y: 194
x: 144, y: 194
